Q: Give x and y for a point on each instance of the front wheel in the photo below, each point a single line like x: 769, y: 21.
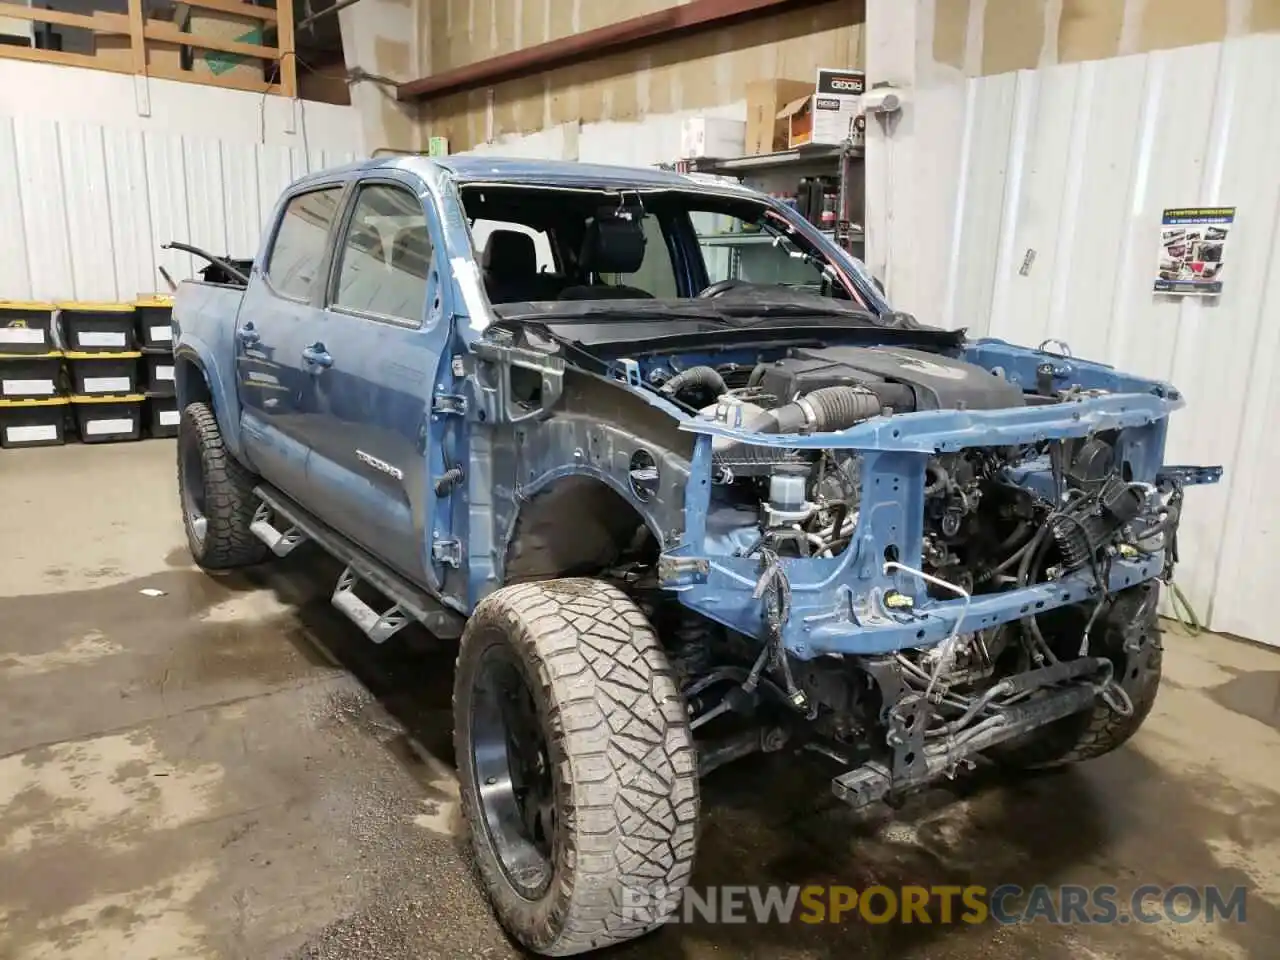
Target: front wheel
x: 1128, y: 634
x: 577, y: 767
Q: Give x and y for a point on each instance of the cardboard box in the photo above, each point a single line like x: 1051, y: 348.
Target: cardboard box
x: 765, y: 102
x: 837, y: 102
x: 830, y: 114
x: 712, y: 137
x: 327, y: 84
x: 226, y: 26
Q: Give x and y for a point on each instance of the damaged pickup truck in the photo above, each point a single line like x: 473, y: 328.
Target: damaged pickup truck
x: 684, y: 487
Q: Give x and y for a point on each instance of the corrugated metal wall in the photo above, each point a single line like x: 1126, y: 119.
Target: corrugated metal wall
x: 85, y: 207
x: 1075, y: 164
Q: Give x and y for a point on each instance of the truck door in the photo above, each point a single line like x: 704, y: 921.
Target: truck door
x: 380, y: 339
x: 274, y: 380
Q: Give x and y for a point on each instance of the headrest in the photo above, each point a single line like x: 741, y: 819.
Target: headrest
x: 368, y: 240
x: 510, y: 252
x: 411, y: 249
x: 613, y: 245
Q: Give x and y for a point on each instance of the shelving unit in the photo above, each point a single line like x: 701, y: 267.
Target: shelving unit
x: 780, y: 173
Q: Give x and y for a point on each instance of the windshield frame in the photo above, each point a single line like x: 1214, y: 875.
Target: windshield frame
x: 689, y: 262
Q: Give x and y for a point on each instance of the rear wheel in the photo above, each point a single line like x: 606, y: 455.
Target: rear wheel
x: 1128, y: 634
x: 577, y: 767
x: 217, y: 495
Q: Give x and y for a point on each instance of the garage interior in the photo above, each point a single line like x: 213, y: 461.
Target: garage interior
x: 223, y: 766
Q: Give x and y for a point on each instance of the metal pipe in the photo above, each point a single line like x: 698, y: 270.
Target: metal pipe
x: 681, y: 20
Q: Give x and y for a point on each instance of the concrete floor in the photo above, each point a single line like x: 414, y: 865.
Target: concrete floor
x: 230, y: 770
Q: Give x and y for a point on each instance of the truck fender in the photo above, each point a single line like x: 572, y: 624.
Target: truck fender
x: 197, y: 378
x: 581, y: 497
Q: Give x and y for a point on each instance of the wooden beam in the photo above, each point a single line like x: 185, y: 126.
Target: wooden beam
x: 137, y: 45
x: 239, y: 9
x: 651, y: 28
x: 60, y: 57
x: 18, y: 12
x: 158, y: 30
x: 208, y: 80
x: 288, y: 52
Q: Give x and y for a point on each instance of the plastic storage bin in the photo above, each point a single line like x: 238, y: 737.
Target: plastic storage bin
x: 159, y: 373
x: 33, y: 423
x: 26, y: 327
x: 104, y: 419
x: 153, y: 316
x: 97, y: 327
x: 162, y: 416
x: 102, y: 374
x: 30, y: 377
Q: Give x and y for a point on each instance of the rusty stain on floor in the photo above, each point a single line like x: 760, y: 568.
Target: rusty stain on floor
x: 229, y: 770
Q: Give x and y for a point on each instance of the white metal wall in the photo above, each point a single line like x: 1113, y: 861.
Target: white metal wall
x: 1075, y: 163
x: 84, y: 207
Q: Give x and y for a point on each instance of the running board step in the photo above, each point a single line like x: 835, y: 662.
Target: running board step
x: 378, y: 627
x: 281, y: 544
x: 409, y: 601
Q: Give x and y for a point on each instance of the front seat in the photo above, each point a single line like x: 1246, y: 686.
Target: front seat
x: 610, y: 245
x: 510, y: 266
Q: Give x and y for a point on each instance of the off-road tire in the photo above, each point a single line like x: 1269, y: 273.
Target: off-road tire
x: 623, y: 760
x: 1130, y: 622
x: 227, y: 495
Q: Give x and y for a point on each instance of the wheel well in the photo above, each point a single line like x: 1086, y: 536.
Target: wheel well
x: 577, y: 526
x: 192, y: 387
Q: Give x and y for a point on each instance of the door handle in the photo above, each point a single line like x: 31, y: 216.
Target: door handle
x: 317, y: 356
x: 247, y: 335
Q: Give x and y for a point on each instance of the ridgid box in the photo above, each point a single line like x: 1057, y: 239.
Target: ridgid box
x: 837, y: 102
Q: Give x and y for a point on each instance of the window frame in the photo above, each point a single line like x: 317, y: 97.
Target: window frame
x: 326, y: 257
x: 329, y: 302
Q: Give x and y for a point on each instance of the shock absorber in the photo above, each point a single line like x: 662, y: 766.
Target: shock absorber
x: 690, y: 646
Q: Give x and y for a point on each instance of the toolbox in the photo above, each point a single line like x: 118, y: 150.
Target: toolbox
x: 102, y: 419
x: 26, y: 327
x: 94, y: 374
x: 153, y: 315
x: 33, y: 423
x: 34, y: 376
x: 159, y: 375
x: 97, y: 327
x: 162, y: 416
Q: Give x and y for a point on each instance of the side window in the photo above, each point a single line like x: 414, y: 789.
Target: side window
x: 298, y: 250
x: 657, y: 275
x: 385, y: 257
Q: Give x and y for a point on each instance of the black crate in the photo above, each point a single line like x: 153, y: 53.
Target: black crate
x: 158, y: 376
x: 162, y: 416
x: 33, y: 423
x: 103, y: 374
x: 26, y: 327
x: 35, y: 377
x: 108, y: 419
x: 97, y: 327
x: 153, y: 316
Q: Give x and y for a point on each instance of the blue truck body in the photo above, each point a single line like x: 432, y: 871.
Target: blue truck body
x: 299, y: 390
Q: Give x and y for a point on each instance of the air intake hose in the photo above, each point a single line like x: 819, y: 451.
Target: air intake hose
x: 827, y: 408
x: 702, y: 376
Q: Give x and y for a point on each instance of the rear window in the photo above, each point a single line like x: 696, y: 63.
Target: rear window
x: 298, y: 251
